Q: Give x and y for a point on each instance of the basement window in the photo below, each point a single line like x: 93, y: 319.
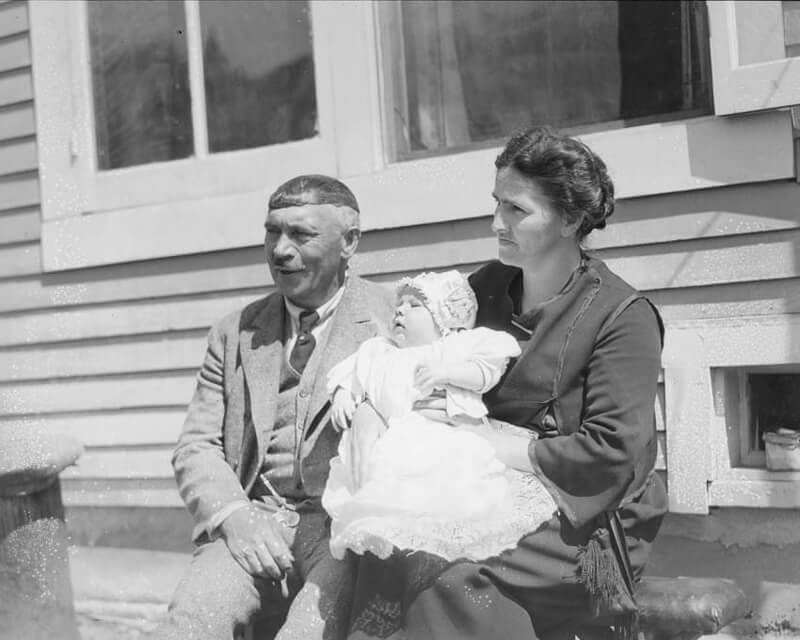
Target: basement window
x: 762, y: 403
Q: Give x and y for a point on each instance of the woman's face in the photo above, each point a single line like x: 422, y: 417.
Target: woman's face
x: 527, y: 226
x: 413, y: 324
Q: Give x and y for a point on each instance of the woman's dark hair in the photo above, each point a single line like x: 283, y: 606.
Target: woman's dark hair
x: 570, y: 174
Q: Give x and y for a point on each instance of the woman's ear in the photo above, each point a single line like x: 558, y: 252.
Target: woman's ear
x: 569, y: 229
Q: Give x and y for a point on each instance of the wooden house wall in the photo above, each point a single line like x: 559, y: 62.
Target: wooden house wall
x: 110, y: 354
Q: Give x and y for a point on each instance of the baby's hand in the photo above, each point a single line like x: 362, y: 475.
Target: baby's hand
x: 343, y: 406
x: 425, y: 379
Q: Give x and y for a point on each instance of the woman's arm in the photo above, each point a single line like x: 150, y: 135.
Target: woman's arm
x: 591, y: 470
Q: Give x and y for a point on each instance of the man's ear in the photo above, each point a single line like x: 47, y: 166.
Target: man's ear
x: 350, y: 240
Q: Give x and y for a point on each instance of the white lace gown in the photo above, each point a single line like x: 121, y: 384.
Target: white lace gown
x: 430, y: 486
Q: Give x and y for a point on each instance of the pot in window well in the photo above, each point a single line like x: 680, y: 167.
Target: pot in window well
x: 783, y: 449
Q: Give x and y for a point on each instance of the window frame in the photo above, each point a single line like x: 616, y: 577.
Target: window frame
x: 666, y: 157
x: 742, y: 88
x: 705, y: 425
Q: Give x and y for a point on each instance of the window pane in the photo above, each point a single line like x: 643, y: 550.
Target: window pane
x: 476, y: 71
x: 791, y: 28
x: 766, y: 31
x: 259, y: 73
x: 140, y: 81
x: 774, y: 403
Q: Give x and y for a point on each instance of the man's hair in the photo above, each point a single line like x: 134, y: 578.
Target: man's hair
x: 315, y: 189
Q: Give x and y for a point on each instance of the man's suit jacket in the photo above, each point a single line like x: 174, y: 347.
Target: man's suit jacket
x: 222, y: 445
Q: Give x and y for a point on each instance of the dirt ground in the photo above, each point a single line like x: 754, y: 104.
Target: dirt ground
x: 92, y: 628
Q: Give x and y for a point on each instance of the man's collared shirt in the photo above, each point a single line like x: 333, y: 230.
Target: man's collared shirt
x: 325, y: 312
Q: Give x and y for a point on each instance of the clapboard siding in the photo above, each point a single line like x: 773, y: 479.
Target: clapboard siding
x: 690, y: 215
x: 123, y: 463
x: 13, y: 18
x: 109, y: 355
x: 184, y: 313
x: 15, y: 86
x: 18, y: 155
x: 769, y: 297
x: 122, y: 319
x: 107, y: 392
x: 145, y: 426
x: 15, y: 52
x: 155, y: 493
x: 17, y: 120
x: 19, y: 260
x: 19, y: 190
x: 748, y: 257
x: 156, y: 352
x: 20, y: 225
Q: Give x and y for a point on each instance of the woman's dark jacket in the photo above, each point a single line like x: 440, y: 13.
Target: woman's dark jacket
x: 586, y: 382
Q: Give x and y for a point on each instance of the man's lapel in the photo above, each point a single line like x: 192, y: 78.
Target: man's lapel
x: 261, y: 349
x: 352, y: 324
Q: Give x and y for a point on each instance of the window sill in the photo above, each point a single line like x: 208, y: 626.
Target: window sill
x: 742, y: 487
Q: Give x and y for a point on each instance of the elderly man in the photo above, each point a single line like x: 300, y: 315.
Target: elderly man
x: 252, y: 460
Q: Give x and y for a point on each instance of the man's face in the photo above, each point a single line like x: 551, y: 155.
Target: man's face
x: 307, y: 250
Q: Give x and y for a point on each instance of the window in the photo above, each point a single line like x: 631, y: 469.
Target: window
x: 172, y: 101
x: 473, y: 72
x: 726, y: 382
x: 755, y: 49
x: 759, y: 401
x: 257, y: 71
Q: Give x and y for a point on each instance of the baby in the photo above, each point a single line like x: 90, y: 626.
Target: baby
x: 402, y: 479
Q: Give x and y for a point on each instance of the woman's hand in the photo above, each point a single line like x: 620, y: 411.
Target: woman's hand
x: 343, y: 406
x: 511, y: 443
x: 433, y: 408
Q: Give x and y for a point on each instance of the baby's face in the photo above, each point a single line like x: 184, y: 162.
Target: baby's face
x: 413, y: 324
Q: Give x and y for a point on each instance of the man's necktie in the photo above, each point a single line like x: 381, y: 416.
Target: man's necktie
x: 305, y: 342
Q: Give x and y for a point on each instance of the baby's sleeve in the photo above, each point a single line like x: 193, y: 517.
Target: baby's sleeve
x: 342, y: 375
x: 491, y: 350
x: 352, y: 372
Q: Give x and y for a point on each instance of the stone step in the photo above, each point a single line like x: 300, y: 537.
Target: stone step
x: 120, y: 593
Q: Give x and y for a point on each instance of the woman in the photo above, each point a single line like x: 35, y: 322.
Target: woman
x: 585, y: 383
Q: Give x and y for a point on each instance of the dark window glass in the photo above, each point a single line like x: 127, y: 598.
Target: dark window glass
x: 140, y: 82
x: 774, y: 404
x: 259, y: 73
x: 477, y: 71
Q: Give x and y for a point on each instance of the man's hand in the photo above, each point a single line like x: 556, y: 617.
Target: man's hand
x: 343, y: 406
x: 256, y: 540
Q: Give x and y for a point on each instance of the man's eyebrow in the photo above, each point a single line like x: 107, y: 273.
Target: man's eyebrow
x: 302, y: 226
